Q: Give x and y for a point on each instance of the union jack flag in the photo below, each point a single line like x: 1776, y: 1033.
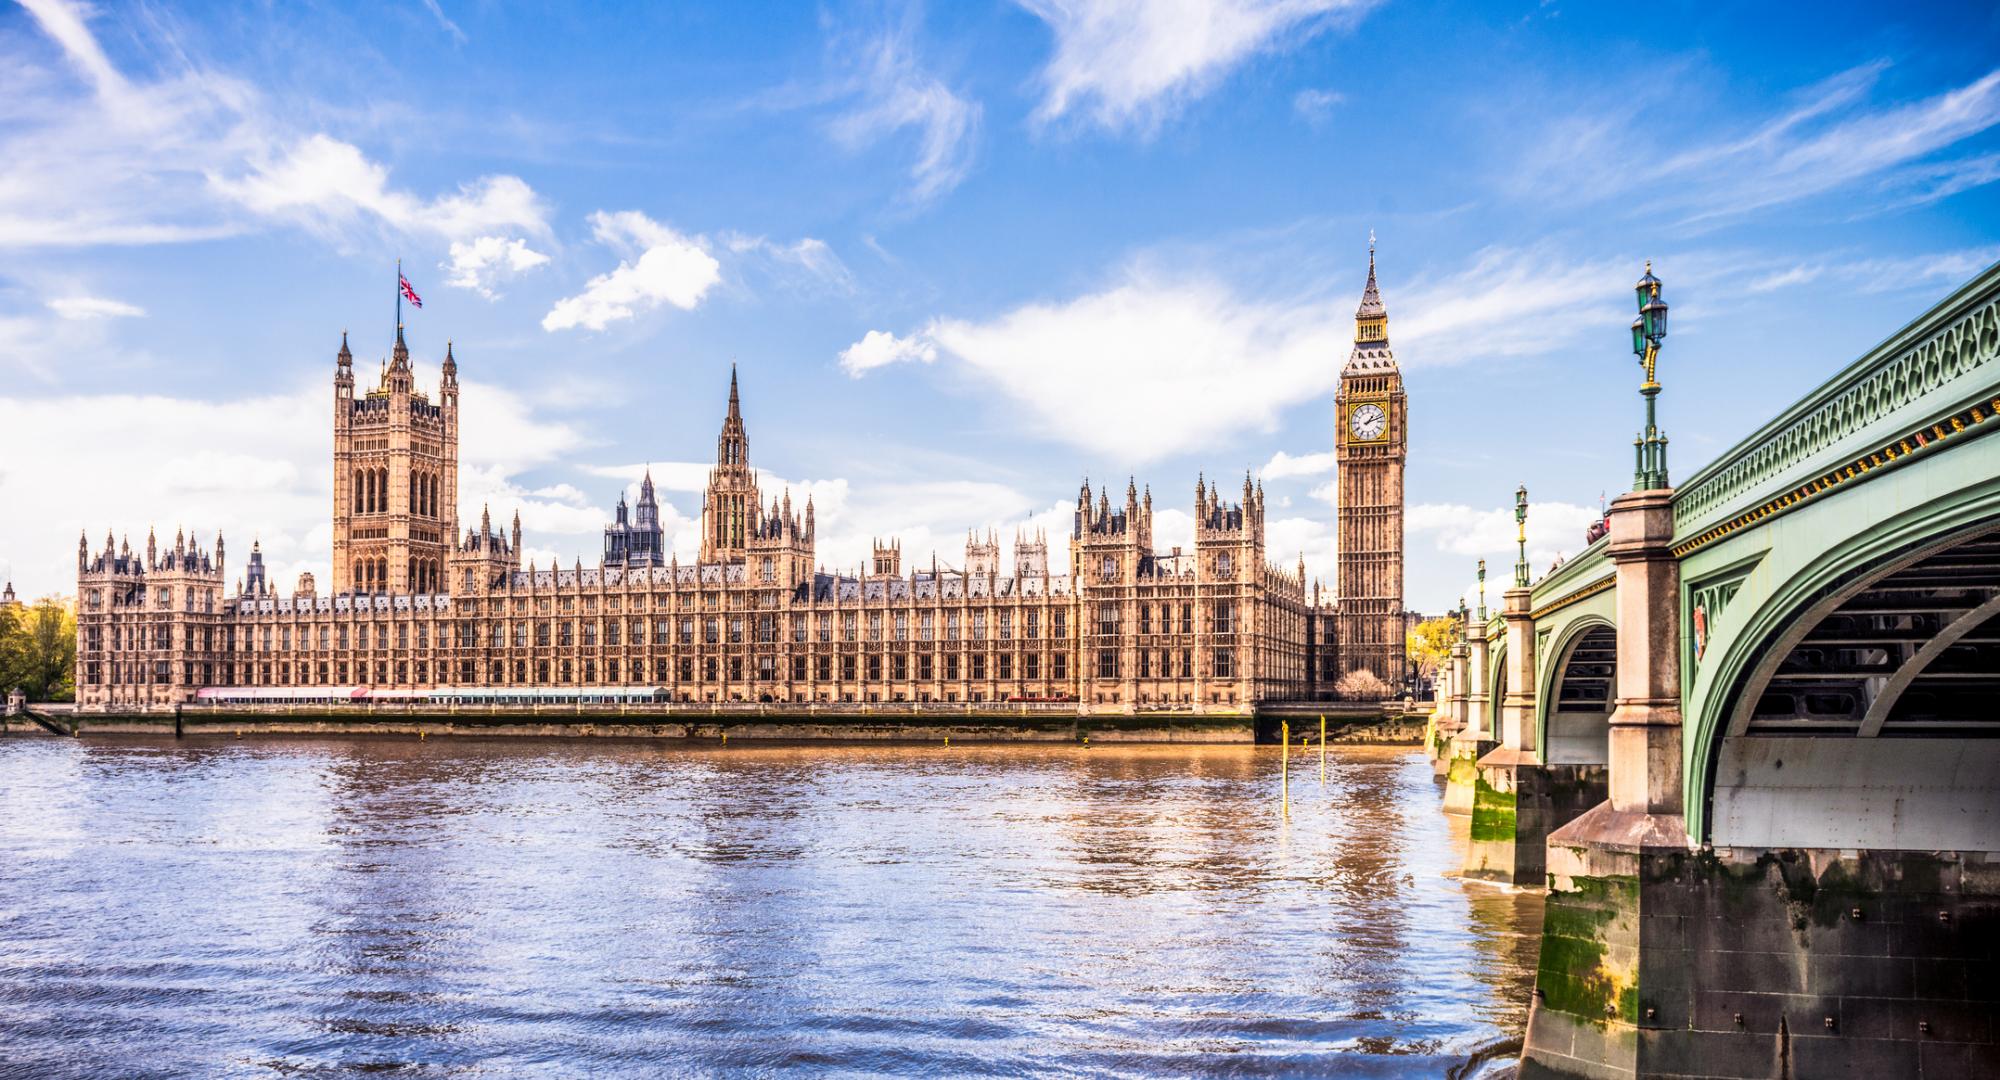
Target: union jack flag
x: 409, y: 293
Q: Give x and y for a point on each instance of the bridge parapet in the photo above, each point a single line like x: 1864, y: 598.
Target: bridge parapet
x: 1927, y: 382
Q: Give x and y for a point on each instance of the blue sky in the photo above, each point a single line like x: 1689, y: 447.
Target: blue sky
x: 965, y: 254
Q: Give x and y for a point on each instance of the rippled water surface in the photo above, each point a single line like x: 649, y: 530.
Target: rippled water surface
x: 500, y: 908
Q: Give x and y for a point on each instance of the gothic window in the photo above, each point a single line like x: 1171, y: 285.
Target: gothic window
x: 1031, y: 666
x: 1145, y: 622
x: 874, y: 626
x: 611, y: 632
x: 979, y: 665
x: 847, y: 627
x: 1006, y: 665
x: 825, y: 630
x: 951, y: 628
x: 1110, y: 569
x: 1225, y: 664
x: 1222, y: 564
x: 924, y: 668
x: 979, y: 626
x: 1059, y: 625
x: 847, y: 669
x: 1187, y: 663
x: 1034, y: 627
x: 1006, y: 625
x: 1187, y: 618
x: 1107, y: 619
x: 1107, y: 663
x: 951, y: 666
x: 924, y: 628
x: 902, y: 626
x: 736, y: 630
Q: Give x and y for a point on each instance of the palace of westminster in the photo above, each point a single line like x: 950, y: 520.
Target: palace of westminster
x: 417, y: 604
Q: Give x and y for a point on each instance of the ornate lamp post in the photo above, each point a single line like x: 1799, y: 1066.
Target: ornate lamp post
x: 1521, y: 536
x: 1648, y: 330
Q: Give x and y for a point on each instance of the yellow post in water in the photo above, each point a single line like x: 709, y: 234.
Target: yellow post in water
x: 1322, y: 751
x: 1285, y: 767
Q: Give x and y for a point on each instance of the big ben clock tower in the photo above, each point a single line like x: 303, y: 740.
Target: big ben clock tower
x: 1369, y: 448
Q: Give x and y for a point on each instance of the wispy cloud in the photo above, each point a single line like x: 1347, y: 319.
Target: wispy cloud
x: 1130, y: 65
x: 193, y: 154
x: 1833, y: 135
x: 895, y: 93
x: 444, y: 21
x: 1880, y: 274
x: 1314, y: 106
x: 94, y: 307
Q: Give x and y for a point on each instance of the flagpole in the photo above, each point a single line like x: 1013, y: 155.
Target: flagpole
x: 399, y: 296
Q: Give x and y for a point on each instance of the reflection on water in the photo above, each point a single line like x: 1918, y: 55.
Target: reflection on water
x: 560, y: 908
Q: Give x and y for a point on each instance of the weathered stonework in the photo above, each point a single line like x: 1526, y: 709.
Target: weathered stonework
x: 1805, y: 963
x: 1516, y: 803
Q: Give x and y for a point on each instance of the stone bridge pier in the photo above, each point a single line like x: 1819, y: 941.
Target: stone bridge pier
x: 1787, y: 673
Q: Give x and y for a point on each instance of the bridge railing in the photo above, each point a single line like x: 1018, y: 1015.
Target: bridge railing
x: 1924, y: 383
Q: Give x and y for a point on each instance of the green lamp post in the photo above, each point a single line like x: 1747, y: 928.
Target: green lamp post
x: 1521, y: 537
x: 1648, y: 330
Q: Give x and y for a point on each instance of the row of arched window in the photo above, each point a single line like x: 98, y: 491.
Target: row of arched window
x: 371, y: 492
x: 372, y: 576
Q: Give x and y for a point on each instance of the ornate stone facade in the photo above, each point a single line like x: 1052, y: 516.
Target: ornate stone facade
x: 422, y: 611
x: 1370, y: 446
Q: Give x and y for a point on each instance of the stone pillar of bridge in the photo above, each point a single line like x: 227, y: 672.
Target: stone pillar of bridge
x: 1475, y: 737
x: 1512, y: 805
x: 1454, y: 709
x: 1615, y: 982
x: 1437, y: 734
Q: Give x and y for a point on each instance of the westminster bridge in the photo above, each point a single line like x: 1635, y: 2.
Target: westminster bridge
x: 1749, y: 738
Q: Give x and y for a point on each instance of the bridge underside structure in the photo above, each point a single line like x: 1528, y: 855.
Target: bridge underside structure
x: 1750, y: 742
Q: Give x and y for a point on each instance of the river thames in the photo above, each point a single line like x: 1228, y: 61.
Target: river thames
x: 464, y: 907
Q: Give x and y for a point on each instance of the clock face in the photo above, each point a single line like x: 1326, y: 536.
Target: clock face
x: 1367, y: 422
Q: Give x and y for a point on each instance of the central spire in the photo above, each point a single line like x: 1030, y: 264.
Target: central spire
x: 1371, y: 319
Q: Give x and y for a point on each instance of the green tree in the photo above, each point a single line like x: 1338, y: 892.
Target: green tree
x: 1429, y: 644
x: 38, y: 651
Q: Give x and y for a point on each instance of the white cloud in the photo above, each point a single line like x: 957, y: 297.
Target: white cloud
x: 879, y: 347
x: 327, y: 185
x: 483, y: 263
x: 1132, y: 64
x: 897, y: 94
x: 661, y: 267
x: 1283, y: 465
x: 1159, y: 363
x: 1554, y: 528
x: 94, y: 307
x: 255, y: 468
